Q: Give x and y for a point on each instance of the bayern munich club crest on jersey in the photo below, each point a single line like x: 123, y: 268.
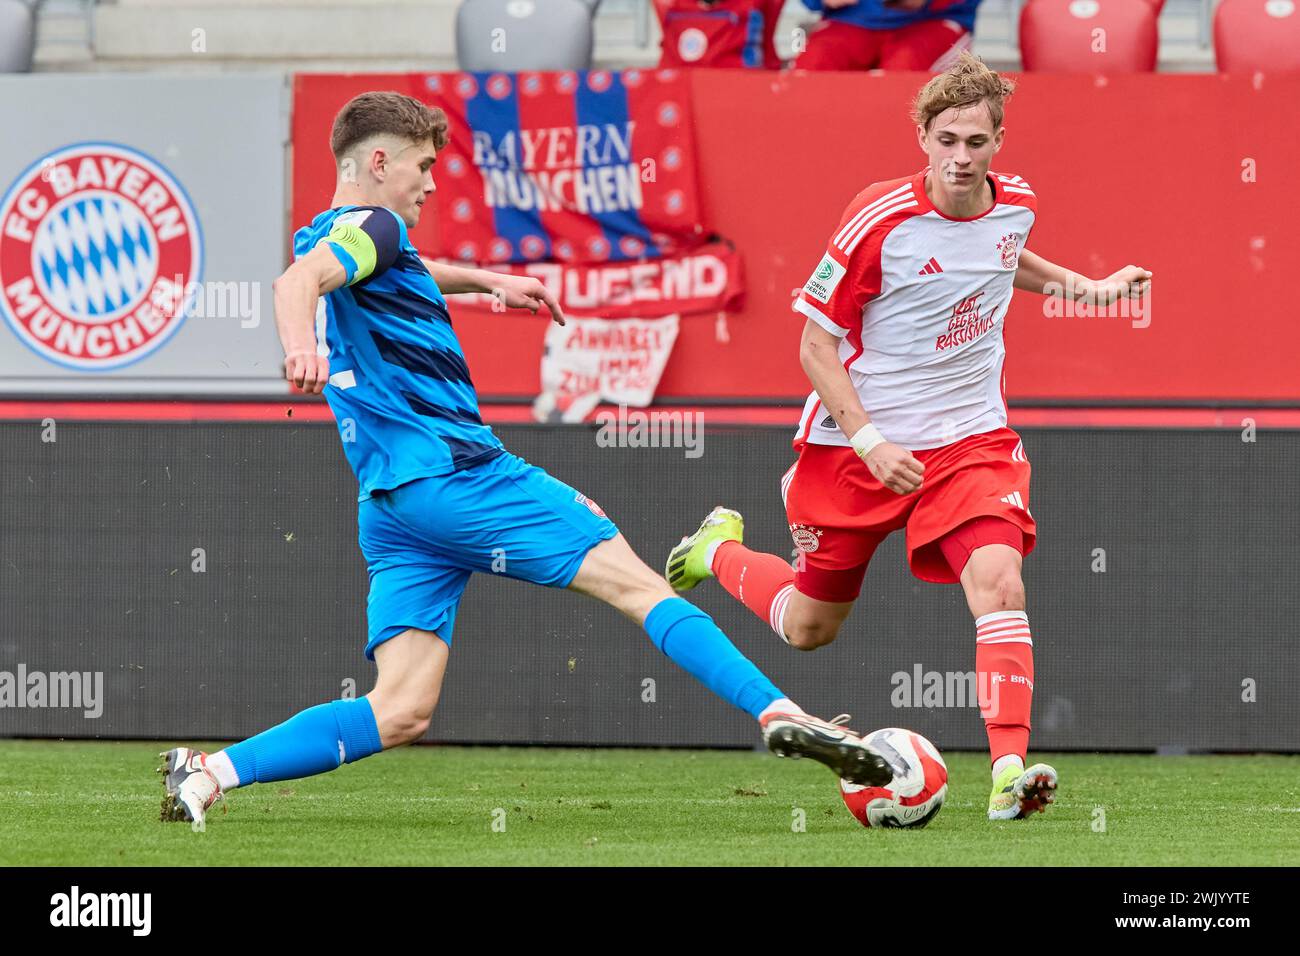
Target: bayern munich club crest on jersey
x: 100, y: 249
x: 806, y: 538
x: 692, y: 44
x: 1009, y: 246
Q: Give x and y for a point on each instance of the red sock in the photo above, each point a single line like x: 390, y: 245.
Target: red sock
x: 761, y: 582
x: 1004, y: 669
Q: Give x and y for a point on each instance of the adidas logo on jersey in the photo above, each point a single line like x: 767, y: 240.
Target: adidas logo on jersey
x: 931, y: 268
x: 1015, y: 500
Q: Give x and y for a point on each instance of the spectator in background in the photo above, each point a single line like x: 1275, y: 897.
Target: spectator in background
x: 883, y: 35
x: 730, y: 33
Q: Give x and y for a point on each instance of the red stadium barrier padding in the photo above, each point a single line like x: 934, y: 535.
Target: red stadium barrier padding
x: 781, y: 155
x: 1089, y: 36
x: 1257, y: 35
x: 299, y: 411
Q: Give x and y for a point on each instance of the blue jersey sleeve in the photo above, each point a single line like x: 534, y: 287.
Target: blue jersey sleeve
x: 366, y: 241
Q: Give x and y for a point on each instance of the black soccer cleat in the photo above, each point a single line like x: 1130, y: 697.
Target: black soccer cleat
x: 830, y: 743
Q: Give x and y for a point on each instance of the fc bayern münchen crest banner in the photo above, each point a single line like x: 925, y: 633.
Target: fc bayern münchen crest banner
x: 99, y: 251
x: 574, y: 166
x: 132, y: 262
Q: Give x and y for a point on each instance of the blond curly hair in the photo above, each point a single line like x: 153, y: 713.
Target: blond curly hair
x: 966, y: 83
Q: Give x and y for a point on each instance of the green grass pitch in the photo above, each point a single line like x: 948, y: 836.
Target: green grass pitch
x: 96, y: 804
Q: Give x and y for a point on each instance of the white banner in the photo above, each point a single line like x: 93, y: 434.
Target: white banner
x: 589, y: 361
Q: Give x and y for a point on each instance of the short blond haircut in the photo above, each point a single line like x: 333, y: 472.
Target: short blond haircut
x: 967, y: 82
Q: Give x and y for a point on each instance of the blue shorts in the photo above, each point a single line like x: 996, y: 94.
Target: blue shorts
x: 422, y: 540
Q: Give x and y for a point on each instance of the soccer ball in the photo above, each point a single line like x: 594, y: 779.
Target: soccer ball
x: 912, y: 799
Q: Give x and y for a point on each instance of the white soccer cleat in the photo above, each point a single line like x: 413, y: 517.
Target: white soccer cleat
x: 191, y: 787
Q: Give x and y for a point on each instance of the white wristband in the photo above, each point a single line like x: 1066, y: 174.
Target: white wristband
x: 866, y: 438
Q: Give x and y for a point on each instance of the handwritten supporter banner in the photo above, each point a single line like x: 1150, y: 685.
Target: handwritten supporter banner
x: 711, y: 279
x: 589, y: 361
x: 577, y: 166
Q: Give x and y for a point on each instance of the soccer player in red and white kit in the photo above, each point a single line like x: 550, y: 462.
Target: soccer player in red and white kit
x: 907, y: 425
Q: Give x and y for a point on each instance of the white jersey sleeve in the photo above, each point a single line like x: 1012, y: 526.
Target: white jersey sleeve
x: 848, y: 275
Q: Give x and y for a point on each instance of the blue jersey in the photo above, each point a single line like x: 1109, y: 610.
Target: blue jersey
x: 399, y: 386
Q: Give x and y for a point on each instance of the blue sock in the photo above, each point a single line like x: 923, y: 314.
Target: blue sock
x: 688, y: 636
x: 312, y: 741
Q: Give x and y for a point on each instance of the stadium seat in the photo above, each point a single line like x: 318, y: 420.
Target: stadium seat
x: 17, y: 36
x: 1254, y: 35
x: 1089, y: 36
x: 514, y: 35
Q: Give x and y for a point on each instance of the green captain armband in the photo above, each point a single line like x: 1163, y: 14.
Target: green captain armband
x: 365, y: 241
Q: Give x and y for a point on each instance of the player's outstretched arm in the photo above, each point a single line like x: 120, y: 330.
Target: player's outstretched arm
x: 1036, y: 274
x: 892, y: 464
x: 513, y: 292
x: 295, y: 295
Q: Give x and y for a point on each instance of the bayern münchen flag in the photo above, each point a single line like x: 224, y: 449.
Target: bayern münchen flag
x: 580, y: 167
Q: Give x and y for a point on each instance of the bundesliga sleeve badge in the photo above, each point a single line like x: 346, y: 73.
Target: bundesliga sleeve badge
x: 824, y: 279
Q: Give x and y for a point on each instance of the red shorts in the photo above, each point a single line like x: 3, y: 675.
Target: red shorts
x: 839, y: 513
x: 928, y: 46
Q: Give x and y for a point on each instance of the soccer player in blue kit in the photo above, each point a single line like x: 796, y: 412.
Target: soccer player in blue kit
x: 440, y: 498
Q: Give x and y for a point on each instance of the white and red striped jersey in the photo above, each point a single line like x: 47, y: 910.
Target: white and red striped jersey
x: 918, y: 300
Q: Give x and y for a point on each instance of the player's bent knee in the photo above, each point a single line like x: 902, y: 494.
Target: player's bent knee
x: 402, y: 715
x: 1011, y: 592
x: 404, y: 725
x: 1004, y: 591
x: 415, y: 724
x: 811, y: 635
